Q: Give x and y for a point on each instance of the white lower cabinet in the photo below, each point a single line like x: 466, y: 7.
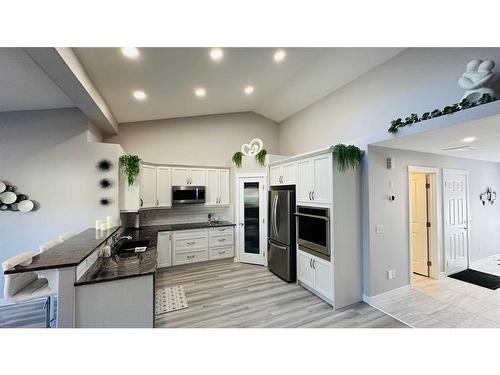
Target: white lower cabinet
x: 164, y: 249
x: 189, y: 246
x: 221, y: 243
x: 316, y: 274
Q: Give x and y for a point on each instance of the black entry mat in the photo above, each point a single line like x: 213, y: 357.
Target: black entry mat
x: 485, y: 280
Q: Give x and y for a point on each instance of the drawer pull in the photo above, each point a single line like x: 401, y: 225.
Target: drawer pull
x: 222, y: 252
x: 191, y: 256
x: 191, y: 243
x: 222, y: 239
x: 221, y: 230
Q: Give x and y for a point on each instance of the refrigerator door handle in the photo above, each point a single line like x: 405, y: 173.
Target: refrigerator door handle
x: 279, y: 246
x: 275, y: 215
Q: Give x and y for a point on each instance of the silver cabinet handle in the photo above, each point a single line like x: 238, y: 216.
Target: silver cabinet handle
x: 314, y: 263
x: 310, y: 196
x: 157, y: 202
x: 310, y: 262
x: 190, y: 243
x: 142, y: 202
x: 222, y: 252
x: 313, y: 192
x: 222, y: 239
x: 191, y: 256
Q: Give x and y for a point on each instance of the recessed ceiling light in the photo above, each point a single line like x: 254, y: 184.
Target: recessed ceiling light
x: 200, y: 92
x: 216, y: 54
x: 140, y: 95
x: 248, y: 90
x: 469, y: 139
x: 130, y: 52
x: 279, y: 55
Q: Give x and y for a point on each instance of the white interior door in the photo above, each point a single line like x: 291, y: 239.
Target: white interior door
x: 251, y: 225
x: 419, y: 224
x: 456, y: 214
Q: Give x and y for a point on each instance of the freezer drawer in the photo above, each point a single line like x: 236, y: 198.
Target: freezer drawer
x: 281, y: 261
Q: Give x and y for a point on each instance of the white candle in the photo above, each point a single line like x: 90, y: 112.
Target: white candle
x: 104, y: 226
x: 98, y: 224
x: 109, y: 222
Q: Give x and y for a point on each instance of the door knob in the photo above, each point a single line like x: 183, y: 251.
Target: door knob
x: 242, y: 224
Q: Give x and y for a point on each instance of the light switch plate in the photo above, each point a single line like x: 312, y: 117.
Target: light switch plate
x: 379, y: 229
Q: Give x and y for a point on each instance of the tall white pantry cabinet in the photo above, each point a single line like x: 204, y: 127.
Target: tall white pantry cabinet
x: 319, y: 183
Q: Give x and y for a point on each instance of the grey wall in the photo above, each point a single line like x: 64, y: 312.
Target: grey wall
x: 390, y: 250
x: 416, y: 80
x: 47, y: 156
x: 201, y: 140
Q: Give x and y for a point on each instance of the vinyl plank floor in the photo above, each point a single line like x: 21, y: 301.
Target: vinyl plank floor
x: 224, y: 294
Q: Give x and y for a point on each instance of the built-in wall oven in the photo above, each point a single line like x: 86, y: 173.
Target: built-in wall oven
x: 313, y: 230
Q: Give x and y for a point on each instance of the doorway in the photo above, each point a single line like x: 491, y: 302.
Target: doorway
x: 251, y: 209
x: 420, y: 223
x: 424, y: 222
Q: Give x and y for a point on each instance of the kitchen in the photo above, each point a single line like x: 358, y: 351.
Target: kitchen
x: 177, y: 198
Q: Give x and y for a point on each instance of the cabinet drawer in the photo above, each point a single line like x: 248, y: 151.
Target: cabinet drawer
x: 221, y: 252
x: 220, y: 231
x: 191, y: 233
x: 221, y: 240
x: 190, y: 257
x: 188, y: 244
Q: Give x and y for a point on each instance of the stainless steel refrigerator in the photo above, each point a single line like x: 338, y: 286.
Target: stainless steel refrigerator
x: 281, y: 250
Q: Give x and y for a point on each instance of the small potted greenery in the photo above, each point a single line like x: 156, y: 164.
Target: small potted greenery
x: 348, y: 156
x: 130, y: 165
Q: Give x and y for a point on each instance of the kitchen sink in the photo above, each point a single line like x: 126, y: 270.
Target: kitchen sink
x: 128, y: 247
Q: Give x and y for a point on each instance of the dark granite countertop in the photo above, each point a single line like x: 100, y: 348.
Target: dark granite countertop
x: 70, y: 253
x: 150, y: 232
x: 116, y: 268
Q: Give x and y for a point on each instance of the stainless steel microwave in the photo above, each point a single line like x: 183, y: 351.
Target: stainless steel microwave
x: 188, y: 194
x: 313, y: 230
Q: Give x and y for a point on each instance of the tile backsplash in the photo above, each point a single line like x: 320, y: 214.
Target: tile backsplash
x: 177, y: 215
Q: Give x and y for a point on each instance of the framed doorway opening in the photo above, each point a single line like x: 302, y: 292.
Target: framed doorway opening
x: 424, y: 222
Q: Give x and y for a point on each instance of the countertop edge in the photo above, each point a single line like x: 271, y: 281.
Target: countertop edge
x: 121, y: 277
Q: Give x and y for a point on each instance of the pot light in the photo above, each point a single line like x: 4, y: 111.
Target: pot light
x: 216, y: 54
x: 469, y: 139
x: 279, y: 55
x: 139, y: 95
x: 249, y: 90
x: 130, y: 52
x: 200, y: 92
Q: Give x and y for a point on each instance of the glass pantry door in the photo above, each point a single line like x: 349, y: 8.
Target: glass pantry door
x: 251, y: 225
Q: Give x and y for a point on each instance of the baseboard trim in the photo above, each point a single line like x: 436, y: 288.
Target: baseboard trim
x: 369, y: 299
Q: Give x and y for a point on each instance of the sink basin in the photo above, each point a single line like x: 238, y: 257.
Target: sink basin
x: 128, y: 247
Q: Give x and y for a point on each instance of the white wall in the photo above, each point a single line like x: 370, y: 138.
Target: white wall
x: 416, y: 80
x: 45, y: 154
x: 390, y: 250
x: 201, y: 140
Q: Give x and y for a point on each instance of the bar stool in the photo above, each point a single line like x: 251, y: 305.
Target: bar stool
x: 47, y: 245
x: 66, y: 236
x: 26, y: 286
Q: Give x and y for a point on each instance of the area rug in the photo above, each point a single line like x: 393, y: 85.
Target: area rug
x: 485, y: 280
x: 170, y: 299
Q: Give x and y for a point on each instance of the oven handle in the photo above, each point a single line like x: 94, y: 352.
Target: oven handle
x: 326, y: 218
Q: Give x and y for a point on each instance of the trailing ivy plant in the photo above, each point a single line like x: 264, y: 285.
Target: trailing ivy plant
x: 260, y: 157
x: 449, y: 109
x: 130, y: 164
x: 237, y: 159
x: 348, y: 156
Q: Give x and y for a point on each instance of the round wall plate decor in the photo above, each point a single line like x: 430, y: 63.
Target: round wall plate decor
x: 8, y: 197
x: 2, y: 187
x: 25, y: 206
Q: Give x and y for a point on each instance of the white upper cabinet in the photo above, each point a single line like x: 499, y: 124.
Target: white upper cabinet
x: 217, y: 187
x: 283, y: 174
x: 275, y: 175
x: 314, y: 179
x: 322, y: 189
x: 197, y: 176
x: 163, y: 187
x: 224, y: 187
x: 148, y: 186
x: 211, y: 188
x: 304, y: 180
x: 180, y: 176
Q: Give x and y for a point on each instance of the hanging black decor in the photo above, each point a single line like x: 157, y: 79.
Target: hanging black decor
x: 12, y: 201
x: 105, y: 183
x: 104, y: 165
x: 488, y: 196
